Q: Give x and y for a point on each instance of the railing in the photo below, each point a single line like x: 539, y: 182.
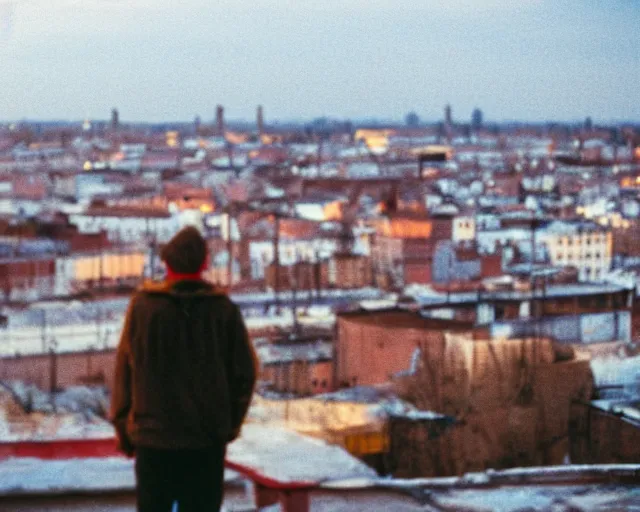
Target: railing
x: 292, y: 496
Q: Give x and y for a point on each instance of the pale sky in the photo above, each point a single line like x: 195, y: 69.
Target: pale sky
x: 158, y: 60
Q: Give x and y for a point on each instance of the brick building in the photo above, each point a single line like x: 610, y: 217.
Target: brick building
x: 373, y: 346
x: 302, y: 368
x: 344, y: 271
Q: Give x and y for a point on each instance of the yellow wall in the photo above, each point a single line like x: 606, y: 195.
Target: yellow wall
x: 405, y: 228
x: 114, y: 266
x: 374, y: 138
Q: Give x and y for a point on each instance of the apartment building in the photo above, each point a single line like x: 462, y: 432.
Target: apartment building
x: 584, y: 245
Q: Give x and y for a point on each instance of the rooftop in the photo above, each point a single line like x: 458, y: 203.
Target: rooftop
x: 399, y: 319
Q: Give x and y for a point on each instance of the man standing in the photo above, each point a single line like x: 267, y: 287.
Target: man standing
x: 185, y: 373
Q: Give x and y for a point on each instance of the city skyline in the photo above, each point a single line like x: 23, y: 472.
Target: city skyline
x: 161, y: 62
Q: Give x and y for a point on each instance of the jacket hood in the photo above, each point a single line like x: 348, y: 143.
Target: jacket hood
x: 182, y: 288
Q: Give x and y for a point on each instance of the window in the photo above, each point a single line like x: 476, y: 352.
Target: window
x: 314, y: 383
x: 324, y: 382
x: 499, y: 312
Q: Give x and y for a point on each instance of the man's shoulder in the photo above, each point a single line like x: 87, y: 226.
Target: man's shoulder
x: 181, y: 288
x: 151, y: 292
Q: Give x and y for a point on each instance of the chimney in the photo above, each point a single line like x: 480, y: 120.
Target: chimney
x: 448, y: 119
x: 220, y: 120
x: 260, y: 120
x: 115, y: 119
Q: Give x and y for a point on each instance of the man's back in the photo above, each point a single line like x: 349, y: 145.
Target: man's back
x: 192, y: 367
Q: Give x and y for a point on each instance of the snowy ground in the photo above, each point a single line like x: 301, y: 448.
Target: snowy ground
x: 402, y: 496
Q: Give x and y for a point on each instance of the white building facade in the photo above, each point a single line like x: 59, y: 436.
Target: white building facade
x: 585, y: 246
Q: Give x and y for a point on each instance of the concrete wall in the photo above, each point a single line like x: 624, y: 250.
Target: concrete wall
x: 372, y: 354
x: 72, y: 368
x: 583, y: 328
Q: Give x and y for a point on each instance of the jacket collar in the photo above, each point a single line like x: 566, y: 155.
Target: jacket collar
x: 182, y: 287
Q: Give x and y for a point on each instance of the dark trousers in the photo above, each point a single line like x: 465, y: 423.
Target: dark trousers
x: 192, y: 478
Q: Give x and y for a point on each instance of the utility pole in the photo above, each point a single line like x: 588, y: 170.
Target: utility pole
x: 229, y: 250
x: 276, y: 260
x: 43, y: 334
x: 53, y: 367
x: 449, y: 270
x: 101, y: 267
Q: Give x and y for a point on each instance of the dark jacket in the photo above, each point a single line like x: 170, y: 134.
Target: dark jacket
x: 185, y: 368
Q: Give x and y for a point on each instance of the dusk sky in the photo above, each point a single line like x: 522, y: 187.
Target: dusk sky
x: 159, y: 60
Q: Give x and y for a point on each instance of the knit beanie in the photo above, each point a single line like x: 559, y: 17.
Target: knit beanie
x: 185, y: 252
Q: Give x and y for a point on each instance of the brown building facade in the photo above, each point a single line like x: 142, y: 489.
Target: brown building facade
x: 299, y: 377
x: 374, y: 346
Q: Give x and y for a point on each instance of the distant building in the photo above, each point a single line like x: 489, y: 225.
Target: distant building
x: 260, y: 120
x: 220, y: 128
x: 588, y: 124
x: 373, y: 346
x: 127, y: 225
x: 448, y: 119
x: 109, y: 267
x: 513, y: 396
x: 300, y: 368
x: 412, y: 119
x: 476, y: 119
x: 115, y: 120
x: 586, y: 246
x: 405, y: 245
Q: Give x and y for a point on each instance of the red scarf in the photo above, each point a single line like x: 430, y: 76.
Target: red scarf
x: 176, y: 276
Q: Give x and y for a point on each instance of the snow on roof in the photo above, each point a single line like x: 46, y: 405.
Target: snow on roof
x: 564, y: 227
x: 287, y: 456
x: 313, y: 351
x: 552, y: 290
x: 615, y: 370
x: 384, y: 401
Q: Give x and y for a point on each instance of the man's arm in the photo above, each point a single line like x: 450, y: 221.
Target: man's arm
x: 121, y: 397
x: 242, y: 371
